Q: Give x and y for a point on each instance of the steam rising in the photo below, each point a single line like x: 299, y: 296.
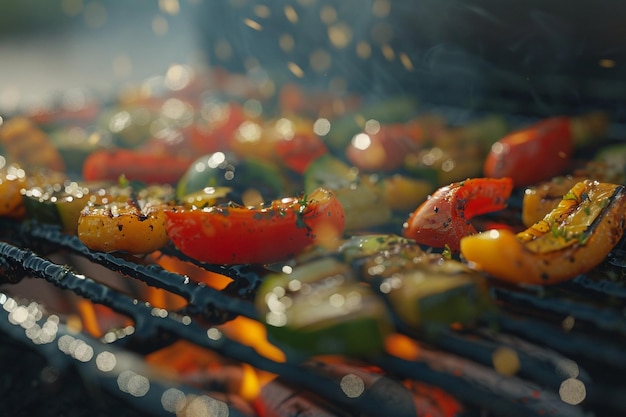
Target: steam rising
x: 534, y: 58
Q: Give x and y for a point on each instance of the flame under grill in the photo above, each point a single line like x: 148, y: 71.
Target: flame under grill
x: 567, y: 338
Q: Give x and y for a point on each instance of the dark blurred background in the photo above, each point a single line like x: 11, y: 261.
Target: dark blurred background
x: 531, y: 57
x: 539, y: 57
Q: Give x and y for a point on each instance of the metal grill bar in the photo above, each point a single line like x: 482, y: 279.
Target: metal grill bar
x: 576, y: 345
x: 605, y: 319
x: 196, y: 294
x: 461, y: 365
x: 152, y: 401
x: 474, y: 383
x: 148, y: 324
x: 612, y: 289
x: 536, y: 364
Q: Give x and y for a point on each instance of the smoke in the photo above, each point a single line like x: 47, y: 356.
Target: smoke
x: 529, y: 57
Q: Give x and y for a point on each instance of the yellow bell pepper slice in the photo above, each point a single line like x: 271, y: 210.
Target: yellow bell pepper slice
x: 570, y: 240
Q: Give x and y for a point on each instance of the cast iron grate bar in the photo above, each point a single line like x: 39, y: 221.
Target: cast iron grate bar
x: 477, y: 384
x: 109, y: 366
x: 147, y: 323
x: 604, y: 287
x: 609, y: 353
x: 465, y: 350
x: 213, y: 303
x: 478, y: 389
x: 606, y: 319
x: 535, y: 363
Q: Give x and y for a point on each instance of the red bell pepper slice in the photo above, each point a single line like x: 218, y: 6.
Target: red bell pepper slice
x: 110, y: 165
x: 444, y: 218
x: 534, y: 154
x: 248, y: 235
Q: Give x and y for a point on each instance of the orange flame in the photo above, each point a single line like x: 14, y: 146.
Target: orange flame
x: 402, y: 346
x: 185, y: 360
x: 96, y: 319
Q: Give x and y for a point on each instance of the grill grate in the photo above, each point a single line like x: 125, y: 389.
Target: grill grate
x: 571, y: 333
x: 460, y: 362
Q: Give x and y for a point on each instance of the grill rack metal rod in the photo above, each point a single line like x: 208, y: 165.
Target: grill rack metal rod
x: 606, y: 353
x: 478, y: 391
x: 572, y: 344
x: 546, y: 365
x: 154, y: 275
x: 474, y: 383
x: 159, y: 396
x: 202, y: 299
x: 536, y: 363
x: 185, y: 327
x: 532, y: 367
x: 542, y: 365
x: 603, y: 287
x: 605, y: 319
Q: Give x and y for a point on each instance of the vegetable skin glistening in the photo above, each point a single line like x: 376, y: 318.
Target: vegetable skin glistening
x: 122, y: 227
x: 233, y: 234
x: 320, y: 307
x: 443, y: 219
x: 110, y: 165
x: 544, y: 149
x: 25, y: 143
x: 425, y: 290
x: 12, y: 180
x: 570, y: 240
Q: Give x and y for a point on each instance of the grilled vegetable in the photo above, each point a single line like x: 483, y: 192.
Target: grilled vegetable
x: 363, y: 246
x: 403, y: 193
x: 219, y: 120
x: 426, y: 291
x: 541, y: 199
x: 249, y: 179
x: 208, y: 196
x: 12, y: 180
x: 25, y: 143
x: 609, y: 165
x: 321, y: 308
x: 81, y: 112
x: 368, y: 200
x: 384, y: 147
x: 135, y: 226
x: 443, y: 219
x: 444, y: 166
x: 75, y: 144
x: 392, y: 110
x: 129, y: 124
x: 110, y: 165
x: 61, y: 203
x: 297, y: 99
x: 122, y: 227
x: 361, y: 197
x: 542, y: 150
x: 299, y: 146
x: 612, y: 162
x: 456, y: 153
x: 570, y: 240
x: 233, y: 234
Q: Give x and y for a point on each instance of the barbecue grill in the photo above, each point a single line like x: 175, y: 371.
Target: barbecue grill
x: 566, y: 344
x: 568, y: 341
